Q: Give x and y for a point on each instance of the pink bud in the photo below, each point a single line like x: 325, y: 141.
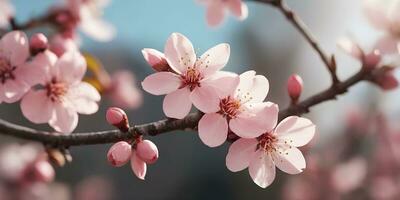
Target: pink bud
x: 386, y: 79
x: 38, y: 43
x: 43, y: 171
x: 119, y: 154
x: 147, y: 151
x: 118, y: 118
x: 372, y: 59
x: 138, y: 166
x: 295, y: 87
x: 156, y: 59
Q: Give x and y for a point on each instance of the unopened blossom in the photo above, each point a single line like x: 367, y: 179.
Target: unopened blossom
x: 17, y: 75
x: 156, y: 59
x: 123, y: 91
x: 118, y: 118
x: 216, y: 10
x: 374, y: 59
x: 63, y: 94
x: 6, y: 12
x: 89, y: 15
x: 191, y: 80
x: 295, y: 87
x: 275, y: 148
x: 240, y: 109
x: 140, y: 153
x: 38, y: 43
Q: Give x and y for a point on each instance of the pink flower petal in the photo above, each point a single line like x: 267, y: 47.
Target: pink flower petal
x: 161, y: 83
x: 205, y: 98
x: 213, y: 129
x: 84, y: 97
x: 94, y: 26
x: 296, y: 131
x: 215, y: 14
x: 240, y: 153
x: 252, y: 88
x: 15, y: 44
x: 388, y: 44
x: 37, y: 71
x: 65, y: 118
x: 177, y: 104
x: 238, y: 8
x: 179, y: 53
x: 214, y: 59
x: 37, y: 107
x: 289, y: 160
x: 13, y: 90
x: 264, y: 119
x: 153, y: 56
x: 71, y: 67
x: 262, y: 169
x: 138, y: 166
x: 223, y: 82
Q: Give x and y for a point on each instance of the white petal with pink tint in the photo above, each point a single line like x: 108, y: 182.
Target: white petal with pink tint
x: 15, y: 44
x: 289, y: 160
x: 215, y: 14
x: 37, y: 71
x: 84, y: 97
x: 252, y: 88
x: 214, y: 59
x: 296, y: 131
x: 264, y: 119
x: 262, y: 169
x: 65, y: 118
x: 213, y: 129
x: 36, y: 107
x: 13, y: 90
x: 161, y: 83
x: 223, y: 82
x: 96, y: 27
x: 71, y: 67
x: 177, y: 104
x: 138, y: 166
x: 205, y: 99
x: 240, y: 153
x: 179, y: 53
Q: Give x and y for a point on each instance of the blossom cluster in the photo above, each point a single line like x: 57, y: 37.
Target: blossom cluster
x: 232, y: 105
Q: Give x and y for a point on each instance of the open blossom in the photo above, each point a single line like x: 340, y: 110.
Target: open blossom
x: 123, y: 90
x: 16, y: 74
x: 63, y: 94
x: 216, y: 10
x: 89, y: 14
x: 276, y: 148
x: 6, y: 12
x: 191, y: 80
x: 240, y: 109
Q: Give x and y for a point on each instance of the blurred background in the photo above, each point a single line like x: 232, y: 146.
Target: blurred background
x: 265, y: 42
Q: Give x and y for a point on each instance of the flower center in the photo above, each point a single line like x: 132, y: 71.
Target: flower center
x: 191, y: 78
x: 56, y: 90
x: 229, y: 107
x: 267, y: 142
x: 6, y: 70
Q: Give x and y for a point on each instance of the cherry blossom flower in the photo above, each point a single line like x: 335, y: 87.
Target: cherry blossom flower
x: 89, y: 14
x: 123, y: 90
x: 63, y: 94
x: 191, y: 80
x: 6, y: 12
x: 276, y: 148
x: 240, y: 109
x: 216, y: 10
x: 16, y: 74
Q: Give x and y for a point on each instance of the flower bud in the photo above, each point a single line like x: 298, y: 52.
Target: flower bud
x: 386, y: 79
x: 295, y: 87
x: 43, y: 171
x: 119, y: 154
x: 371, y: 60
x: 156, y: 60
x: 147, y: 151
x: 38, y: 43
x: 118, y: 118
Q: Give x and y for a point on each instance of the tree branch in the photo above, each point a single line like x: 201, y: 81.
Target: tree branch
x: 295, y: 20
x: 166, y: 125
